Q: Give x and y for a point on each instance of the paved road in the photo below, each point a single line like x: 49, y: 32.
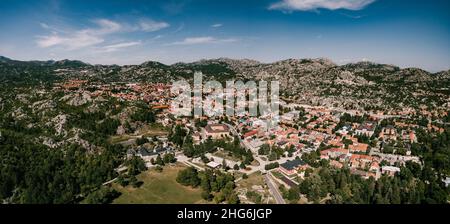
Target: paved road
x: 273, y: 190
x: 185, y: 160
x: 108, y: 182
x: 262, y: 163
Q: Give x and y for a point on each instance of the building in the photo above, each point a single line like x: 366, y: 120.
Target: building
x: 214, y: 165
x: 250, y: 133
x: 358, y: 148
x: 390, y: 170
x: 409, y: 136
x: 333, y: 153
x: 290, y: 117
x: 388, y: 133
x: 291, y: 167
x: 336, y: 164
x: 254, y: 145
x: 361, y: 161
x: 366, y: 128
x: 345, y: 129
x: 217, y: 131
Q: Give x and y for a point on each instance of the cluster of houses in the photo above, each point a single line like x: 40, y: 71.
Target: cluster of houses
x: 390, y: 133
x: 156, y: 94
x: 345, y: 151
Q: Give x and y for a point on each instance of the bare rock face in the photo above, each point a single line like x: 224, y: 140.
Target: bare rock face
x: 49, y: 142
x: 19, y: 114
x: 43, y: 105
x: 78, y: 99
x: 121, y: 130
x: 22, y: 98
x: 59, y: 123
x: 83, y: 143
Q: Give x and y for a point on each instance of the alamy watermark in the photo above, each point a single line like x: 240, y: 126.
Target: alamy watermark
x: 237, y: 99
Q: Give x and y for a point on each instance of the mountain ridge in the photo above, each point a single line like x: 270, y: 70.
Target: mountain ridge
x: 247, y: 61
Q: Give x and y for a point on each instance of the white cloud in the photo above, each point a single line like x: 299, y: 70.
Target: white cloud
x: 307, y: 5
x: 80, y: 38
x: 44, y: 25
x: 157, y: 37
x: 180, y: 28
x: 202, y: 40
x: 105, y: 27
x: 352, y: 16
x: 217, y: 25
x: 76, y: 39
x: 152, y: 26
x: 119, y: 46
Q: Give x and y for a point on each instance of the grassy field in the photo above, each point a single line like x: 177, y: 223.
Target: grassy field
x: 159, y: 188
x: 154, y: 130
x: 225, y: 155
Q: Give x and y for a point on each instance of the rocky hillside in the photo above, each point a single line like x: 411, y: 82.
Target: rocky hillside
x: 363, y: 85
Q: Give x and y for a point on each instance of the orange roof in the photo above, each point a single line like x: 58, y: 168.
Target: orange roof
x: 359, y: 147
x: 357, y: 157
x: 250, y: 133
x: 324, y: 152
x: 336, y: 164
x: 375, y: 164
x: 160, y: 107
x: 343, y: 151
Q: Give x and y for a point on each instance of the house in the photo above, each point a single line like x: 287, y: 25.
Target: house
x: 250, y: 133
x: 361, y: 161
x: 336, y: 142
x: 358, y: 148
x: 388, y: 133
x: 374, y: 167
x: 336, y: 164
x: 390, y: 170
x: 366, y: 128
x: 409, y: 136
x: 217, y: 131
x: 291, y: 167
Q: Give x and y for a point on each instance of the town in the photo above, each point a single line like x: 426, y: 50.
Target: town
x: 369, y: 145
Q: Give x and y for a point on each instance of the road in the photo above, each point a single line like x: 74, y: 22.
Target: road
x: 109, y: 182
x: 185, y: 160
x: 273, y: 190
x: 262, y: 163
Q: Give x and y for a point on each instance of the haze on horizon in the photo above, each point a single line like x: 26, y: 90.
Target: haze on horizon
x: 406, y: 34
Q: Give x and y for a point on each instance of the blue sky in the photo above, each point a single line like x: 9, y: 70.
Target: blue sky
x: 406, y: 33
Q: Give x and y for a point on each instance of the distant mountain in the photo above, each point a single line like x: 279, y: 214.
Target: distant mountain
x: 4, y: 59
x: 69, y: 63
x: 312, y: 81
